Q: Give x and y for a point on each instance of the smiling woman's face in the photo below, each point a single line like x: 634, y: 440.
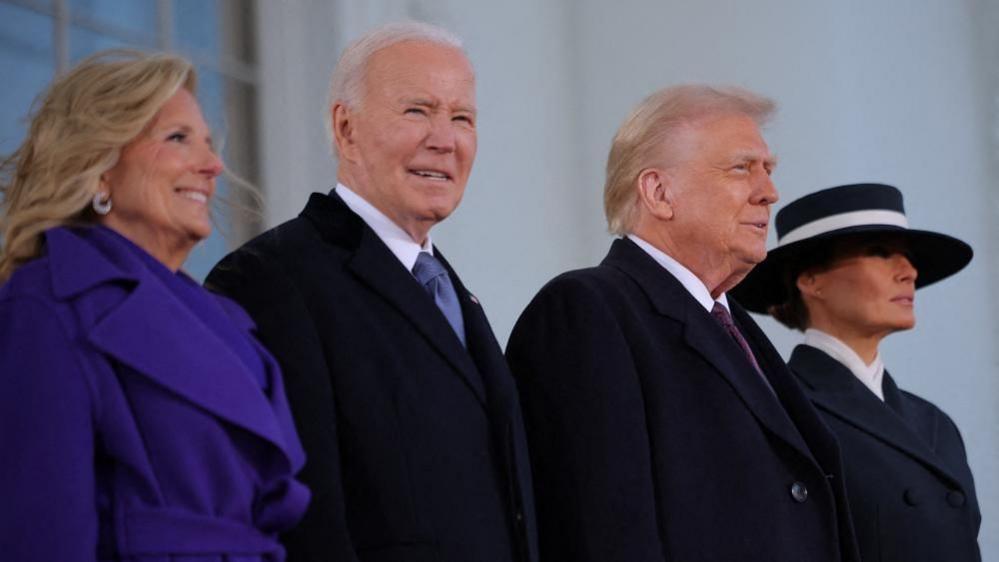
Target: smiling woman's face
x: 162, y: 186
x: 867, y: 290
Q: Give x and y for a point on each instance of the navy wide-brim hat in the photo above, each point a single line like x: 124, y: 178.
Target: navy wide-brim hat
x: 816, y: 219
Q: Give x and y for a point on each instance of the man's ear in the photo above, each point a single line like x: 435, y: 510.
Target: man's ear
x: 342, y: 121
x: 654, y: 193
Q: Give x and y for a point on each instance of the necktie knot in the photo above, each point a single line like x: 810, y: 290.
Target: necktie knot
x: 427, y: 268
x: 430, y: 273
x: 724, y: 317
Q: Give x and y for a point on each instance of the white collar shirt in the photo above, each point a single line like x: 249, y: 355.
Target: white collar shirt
x: 691, y: 282
x: 871, y: 375
x: 398, y: 241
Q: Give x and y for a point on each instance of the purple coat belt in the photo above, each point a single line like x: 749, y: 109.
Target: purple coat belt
x: 128, y: 428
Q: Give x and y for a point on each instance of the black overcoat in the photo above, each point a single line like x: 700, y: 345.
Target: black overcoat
x: 652, y: 437
x: 911, y: 493
x: 415, y: 446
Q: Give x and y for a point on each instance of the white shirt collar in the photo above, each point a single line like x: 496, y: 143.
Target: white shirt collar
x: 871, y: 375
x: 397, y: 240
x: 691, y: 282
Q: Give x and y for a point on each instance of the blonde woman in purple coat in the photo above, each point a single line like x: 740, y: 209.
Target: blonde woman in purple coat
x: 139, y: 417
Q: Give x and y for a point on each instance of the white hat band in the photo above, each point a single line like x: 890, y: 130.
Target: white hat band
x: 844, y: 220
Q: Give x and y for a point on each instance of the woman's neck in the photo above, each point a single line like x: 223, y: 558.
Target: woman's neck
x: 864, y: 345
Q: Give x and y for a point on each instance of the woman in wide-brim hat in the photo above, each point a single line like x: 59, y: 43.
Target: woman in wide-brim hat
x: 845, y: 272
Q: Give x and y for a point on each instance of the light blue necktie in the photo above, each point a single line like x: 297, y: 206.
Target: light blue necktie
x: 434, y: 278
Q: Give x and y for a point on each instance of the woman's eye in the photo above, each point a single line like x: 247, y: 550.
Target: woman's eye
x: 880, y: 251
x: 177, y: 137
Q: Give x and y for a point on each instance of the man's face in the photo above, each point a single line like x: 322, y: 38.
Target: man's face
x: 721, y: 191
x: 410, y: 145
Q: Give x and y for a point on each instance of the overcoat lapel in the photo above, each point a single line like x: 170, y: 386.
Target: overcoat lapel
x: 833, y: 388
x: 485, y: 352
x: 152, y: 332
x: 375, y: 266
x: 504, y: 404
x: 707, y: 338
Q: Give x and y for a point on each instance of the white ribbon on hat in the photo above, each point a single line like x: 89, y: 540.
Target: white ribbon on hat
x: 844, y: 220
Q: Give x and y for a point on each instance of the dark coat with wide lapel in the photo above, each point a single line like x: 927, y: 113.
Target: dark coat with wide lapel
x: 416, y: 449
x: 652, y: 436
x: 129, y: 429
x: 911, y: 493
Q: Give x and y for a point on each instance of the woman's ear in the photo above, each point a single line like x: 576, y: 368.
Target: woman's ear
x: 654, y: 193
x: 810, y: 284
x: 104, y: 182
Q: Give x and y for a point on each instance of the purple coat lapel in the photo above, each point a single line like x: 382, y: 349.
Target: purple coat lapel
x: 146, y: 327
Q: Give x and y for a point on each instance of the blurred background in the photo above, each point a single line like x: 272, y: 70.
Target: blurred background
x: 904, y: 92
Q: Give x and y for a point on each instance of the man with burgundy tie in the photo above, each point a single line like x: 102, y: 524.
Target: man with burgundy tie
x: 410, y: 419
x: 662, y: 423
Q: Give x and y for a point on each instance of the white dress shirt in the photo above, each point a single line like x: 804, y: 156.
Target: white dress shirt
x: 397, y: 240
x: 691, y: 282
x: 871, y: 375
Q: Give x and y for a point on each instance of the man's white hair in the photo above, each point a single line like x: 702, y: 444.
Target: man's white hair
x: 347, y: 81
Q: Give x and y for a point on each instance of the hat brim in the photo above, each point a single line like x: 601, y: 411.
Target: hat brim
x: 935, y: 256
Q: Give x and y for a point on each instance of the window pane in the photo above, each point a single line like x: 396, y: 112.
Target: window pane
x: 215, y: 28
x: 133, y: 16
x: 228, y: 107
x: 83, y: 42
x: 26, y: 57
x: 210, y: 250
x: 196, y: 27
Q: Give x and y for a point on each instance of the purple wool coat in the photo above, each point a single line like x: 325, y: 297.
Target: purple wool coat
x: 128, y: 429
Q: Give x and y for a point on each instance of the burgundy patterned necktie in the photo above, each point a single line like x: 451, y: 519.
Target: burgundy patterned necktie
x: 722, y: 316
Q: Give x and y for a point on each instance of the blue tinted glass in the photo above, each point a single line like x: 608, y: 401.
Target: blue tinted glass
x: 196, y: 26
x: 210, y: 250
x: 136, y: 16
x: 211, y: 97
x: 27, y: 60
x: 83, y: 42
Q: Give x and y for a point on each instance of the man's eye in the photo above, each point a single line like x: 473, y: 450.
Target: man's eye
x: 463, y: 119
x: 416, y: 111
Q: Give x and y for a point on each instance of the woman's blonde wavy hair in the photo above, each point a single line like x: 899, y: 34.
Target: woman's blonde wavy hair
x: 78, y: 128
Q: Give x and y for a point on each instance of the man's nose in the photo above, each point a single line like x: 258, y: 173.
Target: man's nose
x: 442, y: 135
x: 765, y: 192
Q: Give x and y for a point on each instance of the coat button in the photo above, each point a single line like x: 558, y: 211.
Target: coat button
x: 955, y: 498
x: 519, y: 517
x: 799, y: 492
x: 912, y: 497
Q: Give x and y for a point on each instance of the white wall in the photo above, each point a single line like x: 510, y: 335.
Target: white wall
x: 896, y: 91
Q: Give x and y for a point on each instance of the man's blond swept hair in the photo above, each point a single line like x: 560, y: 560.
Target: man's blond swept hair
x: 644, y: 139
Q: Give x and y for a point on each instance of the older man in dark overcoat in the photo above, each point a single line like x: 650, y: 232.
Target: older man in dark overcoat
x: 407, y: 411
x: 662, y: 424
